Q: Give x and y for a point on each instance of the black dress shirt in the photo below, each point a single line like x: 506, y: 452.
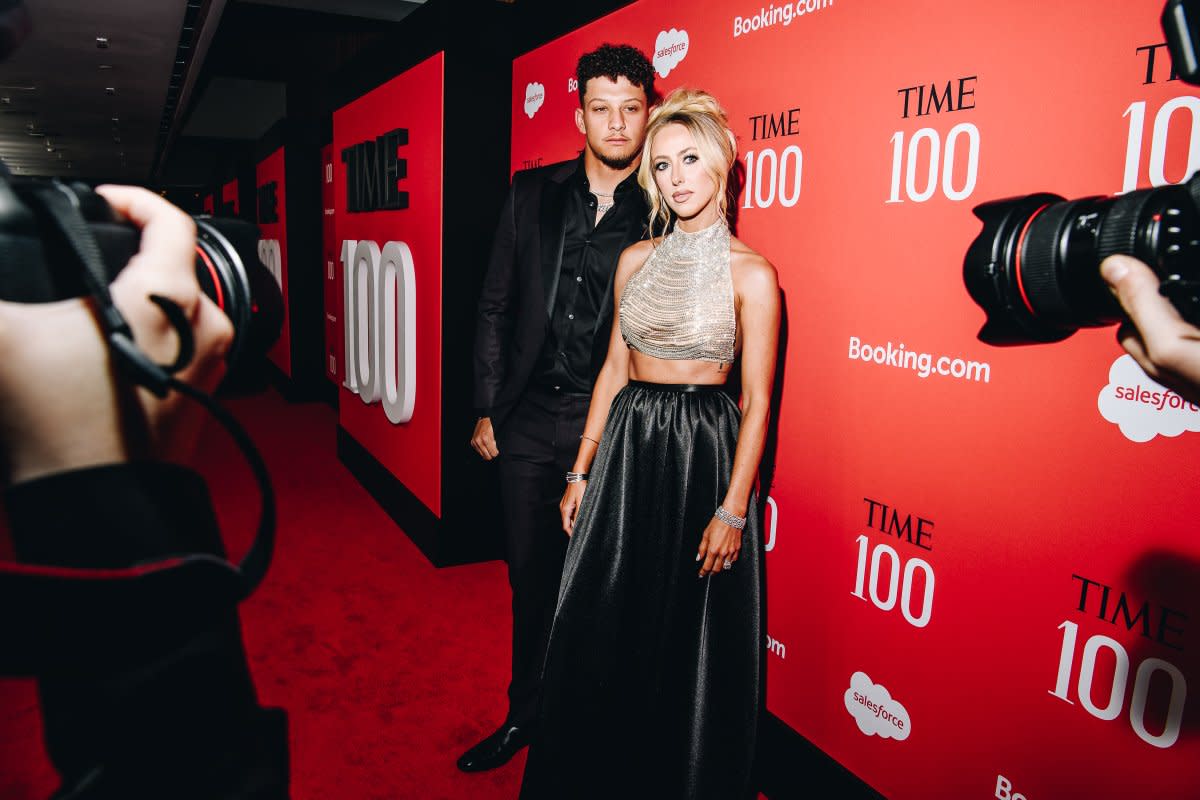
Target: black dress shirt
x: 589, y: 263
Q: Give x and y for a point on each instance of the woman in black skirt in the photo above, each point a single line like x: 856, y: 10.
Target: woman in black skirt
x: 652, y: 681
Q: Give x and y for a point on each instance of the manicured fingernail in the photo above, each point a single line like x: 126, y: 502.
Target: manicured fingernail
x: 698, y: 556
x: 1113, y: 269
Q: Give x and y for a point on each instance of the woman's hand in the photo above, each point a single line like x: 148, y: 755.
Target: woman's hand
x: 569, y: 505
x: 719, y: 544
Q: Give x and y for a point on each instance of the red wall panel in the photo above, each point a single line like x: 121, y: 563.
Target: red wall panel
x: 273, y: 246
x: 229, y: 199
x: 411, y: 102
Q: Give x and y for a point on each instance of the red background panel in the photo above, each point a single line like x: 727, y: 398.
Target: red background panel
x: 413, y: 100
x: 1018, y: 482
x: 229, y: 197
x: 271, y: 169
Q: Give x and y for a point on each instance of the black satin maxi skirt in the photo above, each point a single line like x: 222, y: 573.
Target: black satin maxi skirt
x: 652, y: 680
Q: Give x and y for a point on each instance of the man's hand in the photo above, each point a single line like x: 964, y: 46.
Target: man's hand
x: 568, y: 507
x: 1157, y: 337
x: 484, y: 439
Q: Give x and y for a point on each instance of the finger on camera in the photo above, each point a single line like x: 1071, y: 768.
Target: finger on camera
x: 168, y: 233
x: 164, y: 264
x: 213, y: 332
x: 1136, y: 288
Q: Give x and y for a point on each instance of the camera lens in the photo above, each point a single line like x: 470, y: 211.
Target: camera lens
x: 1034, y: 267
x: 230, y: 273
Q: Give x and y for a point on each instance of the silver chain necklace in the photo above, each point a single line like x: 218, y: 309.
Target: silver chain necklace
x: 603, y: 205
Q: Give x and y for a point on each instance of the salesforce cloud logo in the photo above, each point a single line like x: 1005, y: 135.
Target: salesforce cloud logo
x: 669, y: 49
x: 535, y: 95
x: 1141, y: 408
x: 873, y: 708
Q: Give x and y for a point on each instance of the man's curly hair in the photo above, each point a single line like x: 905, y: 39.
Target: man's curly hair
x: 614, y: 61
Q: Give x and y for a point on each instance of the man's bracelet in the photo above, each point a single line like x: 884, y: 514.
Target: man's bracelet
x: 732, y: 520
x: 576, y: 477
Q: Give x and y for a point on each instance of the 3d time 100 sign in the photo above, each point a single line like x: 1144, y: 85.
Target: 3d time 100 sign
x: 380, y: 283
x: 380, y: 314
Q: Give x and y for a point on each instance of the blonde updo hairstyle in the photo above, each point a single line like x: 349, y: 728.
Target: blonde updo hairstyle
x: 701, y: 114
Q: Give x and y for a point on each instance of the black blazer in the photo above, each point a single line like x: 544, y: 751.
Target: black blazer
x: 517, y: 300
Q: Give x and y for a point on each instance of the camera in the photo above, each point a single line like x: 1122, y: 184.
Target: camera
x: 39, y: 263
x: 1034, y: 267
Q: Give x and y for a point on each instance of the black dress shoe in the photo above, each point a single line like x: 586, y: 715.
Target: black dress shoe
x: 496, y: 749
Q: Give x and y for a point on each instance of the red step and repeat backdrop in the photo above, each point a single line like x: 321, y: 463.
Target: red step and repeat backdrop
x: 982, y: 562
x: 387, y: 184
x: 271, y: 197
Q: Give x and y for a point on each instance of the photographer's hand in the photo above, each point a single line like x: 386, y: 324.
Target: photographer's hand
x: 62, y: 405
x: 1158, y: 338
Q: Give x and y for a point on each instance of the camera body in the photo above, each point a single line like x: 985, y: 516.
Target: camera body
x: 38, y: 264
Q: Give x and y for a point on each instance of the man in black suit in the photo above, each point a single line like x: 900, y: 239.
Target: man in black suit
x: 545, y: 316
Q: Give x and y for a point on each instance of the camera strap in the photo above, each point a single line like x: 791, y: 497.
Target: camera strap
x: 61, y: 207
x: 191, y: 578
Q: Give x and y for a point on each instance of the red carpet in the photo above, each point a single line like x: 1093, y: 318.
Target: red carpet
x: 388, y: 667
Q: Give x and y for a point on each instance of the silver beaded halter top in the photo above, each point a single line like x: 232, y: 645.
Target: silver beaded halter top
x: 679, y: 305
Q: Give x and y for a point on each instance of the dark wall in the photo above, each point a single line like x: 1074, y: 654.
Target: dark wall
x: 324, y: 60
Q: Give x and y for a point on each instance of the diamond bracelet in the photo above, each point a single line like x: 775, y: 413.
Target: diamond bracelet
x: 732, y: 520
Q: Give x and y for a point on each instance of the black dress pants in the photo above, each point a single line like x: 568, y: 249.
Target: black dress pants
x: 538, y: 444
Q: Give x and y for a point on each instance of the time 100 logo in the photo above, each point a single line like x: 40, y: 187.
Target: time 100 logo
x: 381, y: 320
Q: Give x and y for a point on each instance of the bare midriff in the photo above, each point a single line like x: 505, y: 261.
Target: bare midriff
x: 660, y: 370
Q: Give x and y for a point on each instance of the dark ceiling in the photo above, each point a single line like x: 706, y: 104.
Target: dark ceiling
x: 84, y: 94
x: 167, y: 92
x: 260, y: 49
x: 154, y: 91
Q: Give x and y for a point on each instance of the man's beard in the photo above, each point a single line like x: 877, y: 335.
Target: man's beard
x: 617, y: 162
